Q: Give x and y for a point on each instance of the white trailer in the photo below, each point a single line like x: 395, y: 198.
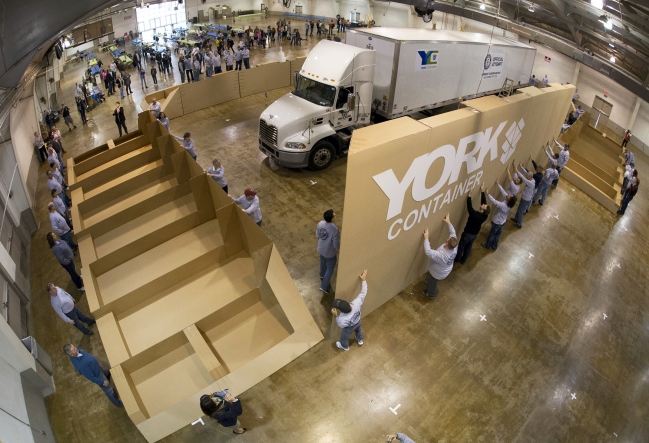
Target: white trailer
x: 390, y: 71
x: 424, y: 69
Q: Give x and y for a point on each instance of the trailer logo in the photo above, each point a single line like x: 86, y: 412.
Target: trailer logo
x: 493, y: 66
x: 487, y: 62
x: 479, y: 146
x: 428, y: 60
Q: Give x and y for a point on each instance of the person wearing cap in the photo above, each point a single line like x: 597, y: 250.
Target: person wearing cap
x: 328, y: 236
x: 441, y: 259
x: 224, y: 408
x: 562, y: 161
x: 403, y: 438
x: 348, y: 316
x: 249, y: 203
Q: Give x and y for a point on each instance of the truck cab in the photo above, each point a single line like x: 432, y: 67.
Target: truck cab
x: 312, y: 125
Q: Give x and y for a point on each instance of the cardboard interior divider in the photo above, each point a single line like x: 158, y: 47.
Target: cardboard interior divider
x: 209, y: 360
x: 108, y: 158
x: 164, y: 373
x: 405, y: 175
x: 608, y: 173
x: 128, y: 394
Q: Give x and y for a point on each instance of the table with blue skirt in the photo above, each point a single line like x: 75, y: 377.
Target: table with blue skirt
x: 212, y: 34
x: 118, y: 52
x: 136, y: 42
x: 94, y: 69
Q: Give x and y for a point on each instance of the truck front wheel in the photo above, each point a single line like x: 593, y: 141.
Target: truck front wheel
x: 322, y: 155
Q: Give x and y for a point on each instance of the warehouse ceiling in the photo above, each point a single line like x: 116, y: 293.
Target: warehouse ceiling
x: 608, y: 28
x: 30, y: 27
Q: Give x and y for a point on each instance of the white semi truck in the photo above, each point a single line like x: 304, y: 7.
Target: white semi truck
x: 383, y: 73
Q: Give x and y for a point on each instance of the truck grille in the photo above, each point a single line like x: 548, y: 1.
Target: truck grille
x: 268, y: 133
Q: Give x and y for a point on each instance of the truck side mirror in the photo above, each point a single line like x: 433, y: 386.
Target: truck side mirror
x: 351, y: 102
x: 295, y: 78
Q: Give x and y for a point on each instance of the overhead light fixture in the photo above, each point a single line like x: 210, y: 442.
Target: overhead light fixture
x: 597, y: 3
x: 612, y: 59
x: 611, y: 45
x: 608, y: 25
x: 531, y: 8
x: 482, y: 7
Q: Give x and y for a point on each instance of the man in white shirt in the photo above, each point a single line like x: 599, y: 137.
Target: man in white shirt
x: 53, y: 183
x: 249, y: 203
x: 60, y: 226
x: 216, y: 171
x: 246, y: 57
x: 441, y: 259
x: 216, y: 63
x: 155, y: 107
x: 64, y: 306
x: 229, y: 60
x: 545, y: 81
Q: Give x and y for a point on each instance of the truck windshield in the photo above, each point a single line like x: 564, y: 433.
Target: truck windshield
x: 314, y: 91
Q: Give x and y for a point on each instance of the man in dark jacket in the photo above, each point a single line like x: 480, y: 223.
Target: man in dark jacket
x: 472, y: 227
x: 538, y: 174
x: 120, y: 119
x: 88, y: 366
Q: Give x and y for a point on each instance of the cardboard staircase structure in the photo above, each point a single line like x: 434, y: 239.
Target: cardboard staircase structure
x: 596, y: 163
x: 185, y: 98
x: 189, y: 294
x: 427, y: 166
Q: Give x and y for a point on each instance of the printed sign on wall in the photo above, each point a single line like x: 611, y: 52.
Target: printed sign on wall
x: 493, y: 65
x: 427, y: 60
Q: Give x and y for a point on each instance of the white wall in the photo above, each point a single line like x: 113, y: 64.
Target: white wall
x: 591, y: 83
x: 12, y: 401
x: 640, y: 129
x: 23, y: 125
x: 193, y: 6
x: 559, y: 69
x: 124, y: 22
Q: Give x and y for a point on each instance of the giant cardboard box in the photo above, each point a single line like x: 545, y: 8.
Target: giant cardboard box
x: 189, y: 294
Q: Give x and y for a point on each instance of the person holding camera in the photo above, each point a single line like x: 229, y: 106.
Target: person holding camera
x: 348, y: 316
x: 224, y: 408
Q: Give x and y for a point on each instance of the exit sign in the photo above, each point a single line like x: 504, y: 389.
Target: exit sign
x: 547, y: 59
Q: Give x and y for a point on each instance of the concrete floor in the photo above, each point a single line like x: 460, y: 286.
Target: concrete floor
x: 457, y: 379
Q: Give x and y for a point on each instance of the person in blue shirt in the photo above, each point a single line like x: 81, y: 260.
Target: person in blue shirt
x: 88, y: 366
x: 348, y: 316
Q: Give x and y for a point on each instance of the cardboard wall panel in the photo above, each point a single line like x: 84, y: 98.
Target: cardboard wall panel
x: 296, y: 66
x: 210, y: 91
x: 264, y: 78
x: 404, y: 175
x: 172, y: 106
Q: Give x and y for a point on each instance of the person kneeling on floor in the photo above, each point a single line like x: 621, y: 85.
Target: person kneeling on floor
x: 348, y: 316
x: 224, y: 408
